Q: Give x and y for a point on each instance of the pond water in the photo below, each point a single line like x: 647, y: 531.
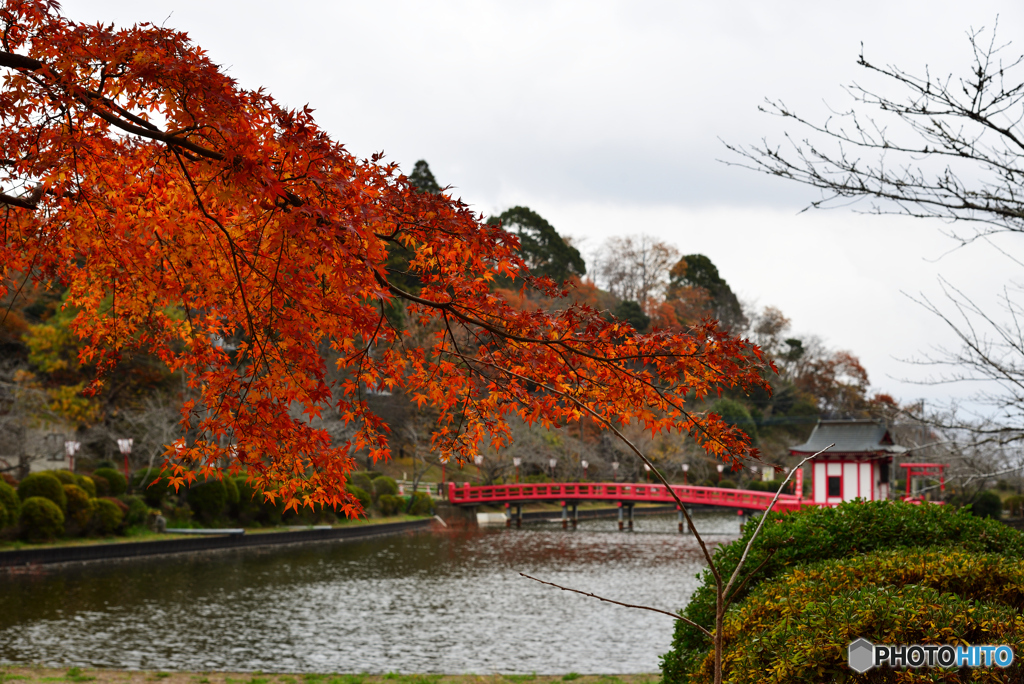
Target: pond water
x: 450, y: 601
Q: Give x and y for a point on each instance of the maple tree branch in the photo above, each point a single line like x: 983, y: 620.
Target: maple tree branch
x: 9, y: 59
x: 18, y: 202
x: 674, y: 616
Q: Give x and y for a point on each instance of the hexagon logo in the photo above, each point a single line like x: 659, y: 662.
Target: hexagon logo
x: 861, y: 655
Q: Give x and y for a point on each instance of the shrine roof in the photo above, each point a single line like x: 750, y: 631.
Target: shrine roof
x: 850, y: 437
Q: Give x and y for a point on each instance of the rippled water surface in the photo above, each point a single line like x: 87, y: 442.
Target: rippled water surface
x: 428, y: 602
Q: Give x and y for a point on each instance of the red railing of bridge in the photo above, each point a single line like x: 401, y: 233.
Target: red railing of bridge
x: 468, y: 495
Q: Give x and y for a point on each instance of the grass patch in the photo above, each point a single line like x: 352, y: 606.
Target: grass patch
x: 571, y: 676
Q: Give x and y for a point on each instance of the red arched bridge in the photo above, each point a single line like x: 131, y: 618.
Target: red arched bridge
x: 625, y: 495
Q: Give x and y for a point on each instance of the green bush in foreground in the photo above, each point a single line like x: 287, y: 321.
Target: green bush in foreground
x: 385, y: 486
x: 41, y: 519
x: 79, y: 510
x: 208, y: 499
x: 148, y: 484
x: 361, y: 494
x: 86, y: 483
x: 10, y: 501
x: 420, y: 503
x: 45, y: 485
x: 107, y: 516
x: 115, y: 480
x: 817, y: 534
x: 389, y: 504
x: 796, y: 628
x: 65, y: 476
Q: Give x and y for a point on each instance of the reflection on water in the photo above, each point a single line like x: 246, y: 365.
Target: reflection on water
x: 442, y: 602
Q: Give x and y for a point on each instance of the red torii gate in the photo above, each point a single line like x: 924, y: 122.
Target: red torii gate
x: 925, y: 470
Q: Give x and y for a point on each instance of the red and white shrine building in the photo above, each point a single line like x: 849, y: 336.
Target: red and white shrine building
x: 860, y: 465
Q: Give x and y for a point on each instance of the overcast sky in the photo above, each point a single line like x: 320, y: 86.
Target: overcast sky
x: 607, y: 119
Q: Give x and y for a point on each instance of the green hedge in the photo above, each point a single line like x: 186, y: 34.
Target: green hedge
x: 420, y: 503
x: 65, y: 476
x: 116, y: 481
x: 86, y: 483
x: 389, y: 504
x: 208, y: 499
x: 821, y: 533
x: 798, y: 626
x: 148, y: 484
x: 987, y: 505
x: 364, y: 498
x: 10, y: 501
x: 101, y: 484
x: 137, y: 511
x: 41, y: 519
x: 384, y: 486
x: 107, y: 516
x: 45, y: 485
x: 5, y: 517
x: 78, y: 507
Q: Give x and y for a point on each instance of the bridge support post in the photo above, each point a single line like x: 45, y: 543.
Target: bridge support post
x: 631, y: 517
x: 565, y: 516
x: 508, y: 515
x: 519, y: 516
x: 620, y: 516
x: 575, y: 515
x: 682, y: 521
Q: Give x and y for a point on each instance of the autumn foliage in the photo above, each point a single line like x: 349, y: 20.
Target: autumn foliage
x: 236, y: 241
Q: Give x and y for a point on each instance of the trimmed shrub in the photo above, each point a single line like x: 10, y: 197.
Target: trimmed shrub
x: 208, y: 499
x: 361, y: 494
x: 11, y: 502
x: 148, y: 484
x: 5, y: 517
x: 420, y: 503
x: 988, y: 505
x: 362, y: 480
x: 41, y: 519
x: 798, y: 626
x: 78, y: 509
x: 137, y: 511
x: 86, y: 483
x: 118, y: 484
x: 65, y: 476
x: 726, y: 484
x: 384, y: 486
x: 102, y: 485
x: 231, y: 491
x: 389, y: 504
x: 107, y: 515
x: 1014, y: 505
x: 818, y: 534
x: 45, y: 485
x: 252, y: 506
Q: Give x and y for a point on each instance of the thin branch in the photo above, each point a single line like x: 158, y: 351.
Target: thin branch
x: 674, y: 616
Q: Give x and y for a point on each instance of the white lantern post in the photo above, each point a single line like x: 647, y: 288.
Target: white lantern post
x: 517, y: 462
x: 615, y: 471
x: 686, y: 469
x: 125, y: 445
x: 584, y: 463
x: 70, y: 448
x: 553, y: 462
x: 720, y: 469
x: 647, y: 471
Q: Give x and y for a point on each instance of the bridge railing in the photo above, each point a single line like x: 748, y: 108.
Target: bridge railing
x: 466, y: 494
